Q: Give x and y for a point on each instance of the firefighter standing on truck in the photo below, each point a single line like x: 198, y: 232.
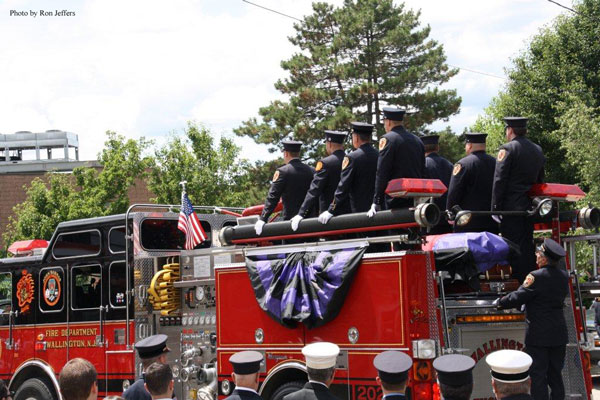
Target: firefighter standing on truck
x: 519, y: 165
x: 357, y: 176
x: 326, y: 179
x: 437, y: 167
x: 543, y: 294
x: 290, y: 183
x: 401, y: 155
x: 471, y: 184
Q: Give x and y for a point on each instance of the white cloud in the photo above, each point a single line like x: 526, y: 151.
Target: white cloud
x: 145, y: 67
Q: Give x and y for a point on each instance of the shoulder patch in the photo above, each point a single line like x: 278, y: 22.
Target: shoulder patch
x: 275, y: 176
x: 345, y: 162
x: 382, y: 143
x: 528, y: 280
x: 501, y: 155
x: 456, y: 169
x: 319, y: 166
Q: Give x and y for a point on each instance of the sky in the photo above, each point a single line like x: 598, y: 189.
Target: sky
x: 146, y: 67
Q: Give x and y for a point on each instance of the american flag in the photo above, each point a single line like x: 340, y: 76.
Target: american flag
x: 189, y: 224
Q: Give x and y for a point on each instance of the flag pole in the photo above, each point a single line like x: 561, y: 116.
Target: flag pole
x: 183, y: 184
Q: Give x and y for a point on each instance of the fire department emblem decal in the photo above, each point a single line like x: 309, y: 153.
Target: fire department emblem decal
x: 456, y: 169
x: 345, y: 162
x: 25, y: 288
x: 501, y: 155
x: 51, y: 288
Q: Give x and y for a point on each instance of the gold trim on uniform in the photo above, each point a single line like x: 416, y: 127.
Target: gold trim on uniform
x: 382, y: 143
x: 456, y: 169
x: 275, y: 176
x: 345, y: 162
x: 501, y: 154
x: 528, y: 280
x: 319, y: 166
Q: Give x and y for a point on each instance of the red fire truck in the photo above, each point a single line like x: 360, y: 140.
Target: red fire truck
x: 104, y: 283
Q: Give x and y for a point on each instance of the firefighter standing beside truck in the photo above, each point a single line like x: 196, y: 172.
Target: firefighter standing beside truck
x: 326, y: 179
x: 454, y: 376
x: 471, y: 184
x: 151, y: 349
x: 519, y: 165
x: 392, y: 373
x: 543, y: 293
x: 320, y: 367
x: 290, y: 183
x: 357, y: 176
x: 246, y: 367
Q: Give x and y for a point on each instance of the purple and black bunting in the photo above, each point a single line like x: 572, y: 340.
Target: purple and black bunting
x: 306, y: 285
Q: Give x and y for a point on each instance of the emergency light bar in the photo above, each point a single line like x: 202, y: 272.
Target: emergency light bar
x: 557, y: 191
x: 413, y: 187
x: 477, y: 319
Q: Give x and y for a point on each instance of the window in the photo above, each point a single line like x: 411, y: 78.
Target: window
x: 86, y: 282
x: 118, y: 284
x: 77, y: 244
x: 116, y: 239
x: 162, y: 234
x: 51, y: 289
x: 5, y: 297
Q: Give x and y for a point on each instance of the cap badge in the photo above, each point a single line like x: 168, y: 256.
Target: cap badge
x: 456, y: 169
x: 501, y: 155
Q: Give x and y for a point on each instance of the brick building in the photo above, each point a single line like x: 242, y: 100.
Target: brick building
x: 25, y: 156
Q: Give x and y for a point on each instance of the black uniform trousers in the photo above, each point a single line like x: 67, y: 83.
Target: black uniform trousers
x: 546, y: 370
x: 520, y: 231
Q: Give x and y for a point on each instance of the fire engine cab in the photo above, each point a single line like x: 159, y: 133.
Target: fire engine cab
x: 105, y: 283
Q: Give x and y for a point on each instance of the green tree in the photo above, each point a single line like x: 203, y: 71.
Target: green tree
x: 214, y: 173
x: 352, y: 61
x: 553, y: 76
x: 89, y: 192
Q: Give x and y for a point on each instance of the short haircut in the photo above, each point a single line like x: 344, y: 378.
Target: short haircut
x: 365, y: 137
x: 294, y: 153
x: 113, y: 397
x: 462, y: 392
x: 157, y: 378
x: 431, y: 147
x: 146, y: 362
x: 77, y: 379
x: 520, y: 131
x: 394, y: 387
x: 508, y: 389
x: 320, y: 375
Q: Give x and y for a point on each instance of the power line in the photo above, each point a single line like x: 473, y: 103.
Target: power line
x: 269, y: 9
x: 298, y: 19
x: 565, y: 7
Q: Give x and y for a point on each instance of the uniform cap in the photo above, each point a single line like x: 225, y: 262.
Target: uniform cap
x: 320, y: 355
x: 394, y: 113
x: 430, y: 139
x: 152, y: 346
x: 454, y: 369
x: 516, y: 122
x: 552, y: 249
x: 335, y: 136
x: 509, y: 366
x: 291, y: 145
x: 392, y: 366
x: 246, y: 362
x: 362, y: 127
x: 475, y: 137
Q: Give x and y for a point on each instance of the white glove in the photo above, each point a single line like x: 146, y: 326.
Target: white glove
x: 258, y: 226
x: 325, y: 217
x: 497, y: 218
x: 496, y: 303
x: 372, y: 211
x: 295, y: 222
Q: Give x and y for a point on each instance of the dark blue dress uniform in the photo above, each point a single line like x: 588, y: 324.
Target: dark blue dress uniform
x: 357, y: 176
x: 519, y: 165
x: 290, y: 184
x: 471, y: 186
x: 510, y: 367
x: 326, y: 179
x: 454, y: 370
x: 312, y: 391
x: 437, y: 167
x: 401, y: 155
x: 150, y: 347
x: 392, y: 368
x: 245, y: 363
x: 543, y: 294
